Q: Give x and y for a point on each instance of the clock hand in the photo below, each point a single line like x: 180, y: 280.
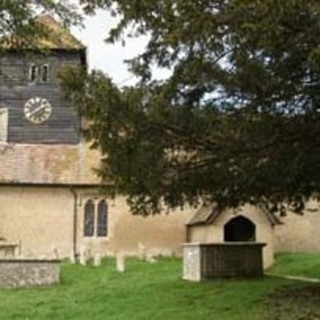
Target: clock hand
x: 36, y: 111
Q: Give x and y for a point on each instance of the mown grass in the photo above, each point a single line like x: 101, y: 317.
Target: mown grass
x: 145, y: 291
x: 297, y: 264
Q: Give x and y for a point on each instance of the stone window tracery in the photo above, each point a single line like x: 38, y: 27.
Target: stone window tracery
x: 89, y: 219
x: 95, y: 218
x: 102, y: 217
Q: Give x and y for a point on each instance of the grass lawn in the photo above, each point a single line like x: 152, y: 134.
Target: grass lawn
x: 297, y: 264
x: 156, y: 291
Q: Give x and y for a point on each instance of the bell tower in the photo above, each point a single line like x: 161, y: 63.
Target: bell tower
x: 32, y: 109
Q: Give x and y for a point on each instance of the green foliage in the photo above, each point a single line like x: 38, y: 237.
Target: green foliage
x: 18, y: 26
x: 152, y: 291
x: 237, y: 121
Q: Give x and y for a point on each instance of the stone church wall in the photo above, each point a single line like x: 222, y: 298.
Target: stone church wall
x: 299, y: 233
x: 161, y: 234
x: 41, y: 219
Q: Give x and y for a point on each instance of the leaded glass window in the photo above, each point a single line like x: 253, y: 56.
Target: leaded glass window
x: 89, y: 219
x: 102, y: 220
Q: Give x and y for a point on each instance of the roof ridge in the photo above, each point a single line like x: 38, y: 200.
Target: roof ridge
x: 207, y: 214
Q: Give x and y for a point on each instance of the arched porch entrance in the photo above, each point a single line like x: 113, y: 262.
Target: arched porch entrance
x: 239, y: 229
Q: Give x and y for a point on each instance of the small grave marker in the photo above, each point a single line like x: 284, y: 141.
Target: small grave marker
x: 150, y: 258
x: 72, y: 258
x: 83, y: 256
x: 97, y: 259
x: 142, y: 251
x: 120, y: 262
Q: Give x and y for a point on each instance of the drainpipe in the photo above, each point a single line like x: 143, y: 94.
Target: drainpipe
x: 75, y: 222
x: 187, y: 234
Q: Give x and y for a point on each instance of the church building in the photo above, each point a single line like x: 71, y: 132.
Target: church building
x: 49, y: 193
x: 50, y: 202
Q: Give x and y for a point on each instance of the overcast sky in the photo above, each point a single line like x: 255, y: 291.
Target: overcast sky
x: 110, y: 57
x: 107, y: 57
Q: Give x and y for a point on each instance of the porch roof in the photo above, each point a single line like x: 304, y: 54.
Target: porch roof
x: 208, y: 214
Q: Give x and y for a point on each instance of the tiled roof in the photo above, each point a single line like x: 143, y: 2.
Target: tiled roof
x: 205, y: 214
x: 208, y: 214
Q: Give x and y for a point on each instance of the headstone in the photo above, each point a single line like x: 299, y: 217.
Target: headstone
x: 83, y: 256
x: 72, y: 257
x: 142, y: 251
x: 120, y: 260
x: 150, y: 258
x: 97, y: 259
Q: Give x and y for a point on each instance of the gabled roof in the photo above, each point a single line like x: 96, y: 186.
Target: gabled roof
x: 58, y: 37
x: 208, y: 214
x: 204, y: 215
x: 273, y: 219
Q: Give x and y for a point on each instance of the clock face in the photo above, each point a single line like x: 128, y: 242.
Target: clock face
x: 37, y: 110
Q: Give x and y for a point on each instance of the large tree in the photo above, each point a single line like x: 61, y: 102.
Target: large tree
x: 237, y: 120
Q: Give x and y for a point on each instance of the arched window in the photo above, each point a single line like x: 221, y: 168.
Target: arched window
x: 102, y: 219
x: 89, y: 219
x: 240, y: 229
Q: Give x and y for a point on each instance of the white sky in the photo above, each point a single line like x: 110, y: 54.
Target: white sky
x: 108, y: 57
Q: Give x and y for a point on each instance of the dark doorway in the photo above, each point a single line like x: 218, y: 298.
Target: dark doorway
x: 240, y: 229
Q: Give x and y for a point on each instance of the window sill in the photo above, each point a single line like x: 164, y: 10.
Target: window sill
x: 96, y: 239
